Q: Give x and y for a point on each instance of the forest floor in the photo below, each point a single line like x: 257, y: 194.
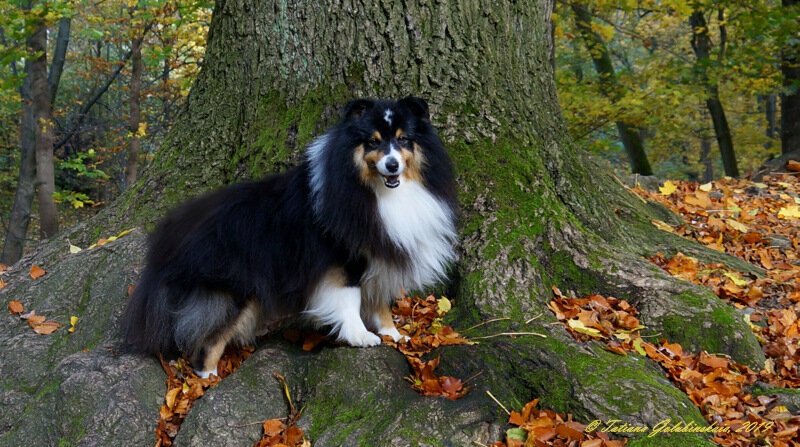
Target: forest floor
x: 757, y: 222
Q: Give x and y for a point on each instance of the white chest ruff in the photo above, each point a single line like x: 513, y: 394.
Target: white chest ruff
x: 423, y: 226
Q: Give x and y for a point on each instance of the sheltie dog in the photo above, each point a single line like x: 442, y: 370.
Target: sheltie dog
x: 368, y: 213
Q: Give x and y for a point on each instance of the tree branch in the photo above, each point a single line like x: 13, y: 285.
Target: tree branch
x: 59, y: 56
x: 100, y: 91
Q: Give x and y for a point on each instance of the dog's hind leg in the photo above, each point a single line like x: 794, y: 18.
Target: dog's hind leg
x: 208, y: 323
x: 241, y: 331
x: 333, y: 303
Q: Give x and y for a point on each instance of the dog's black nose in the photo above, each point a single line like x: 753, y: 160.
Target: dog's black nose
x: 392, y: 164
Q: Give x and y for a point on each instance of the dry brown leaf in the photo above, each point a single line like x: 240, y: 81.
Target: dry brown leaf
x: 311, y: 340
x: 171, y: 396
x: 45, y: 328
x: 15, y: 307
x: 34, y: 319
x: 37, y: 272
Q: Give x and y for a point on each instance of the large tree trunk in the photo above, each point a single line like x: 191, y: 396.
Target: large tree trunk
x: 631, y: 139
x: 536, y: 213
x: 701, y: 43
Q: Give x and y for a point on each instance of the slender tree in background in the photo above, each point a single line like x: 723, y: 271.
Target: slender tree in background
x: 701, y: 43
x: 631, y: 139
x: 134, y: 118
x: 59, y: 57
x: 768, y: 105
x: 790, y: 98
x: 43, y: 131
x: 19, y: 218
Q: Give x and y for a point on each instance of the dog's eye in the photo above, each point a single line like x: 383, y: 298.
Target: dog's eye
x: 373, y: 143
x: 402, y: 140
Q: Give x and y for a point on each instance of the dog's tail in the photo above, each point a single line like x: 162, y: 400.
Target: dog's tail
x: 147, y: 323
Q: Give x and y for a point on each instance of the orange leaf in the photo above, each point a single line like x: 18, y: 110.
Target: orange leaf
x: 272, y: 427
x: 569, y: 433
x: 48, y: 327
x: 293, y: 435
x: 131, y: 288
x: 312, y: 340
x: 793, y: 165
x: 35, y: 319
x: 516, y: 418
x: 15, y: 307
x: 171, y: 396
x: 451, y: 386
x: 37, y: 272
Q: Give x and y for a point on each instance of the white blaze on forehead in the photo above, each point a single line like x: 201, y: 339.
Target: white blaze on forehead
x: 387, y: 116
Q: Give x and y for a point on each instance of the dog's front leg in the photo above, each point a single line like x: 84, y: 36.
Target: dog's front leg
x: 349, y: 324
x: 378, y: 315
x: 339, y: 306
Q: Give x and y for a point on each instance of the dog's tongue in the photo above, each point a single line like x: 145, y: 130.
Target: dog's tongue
x: 391, y: 181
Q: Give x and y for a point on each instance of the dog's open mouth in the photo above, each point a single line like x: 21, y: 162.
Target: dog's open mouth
x: 391, y: 181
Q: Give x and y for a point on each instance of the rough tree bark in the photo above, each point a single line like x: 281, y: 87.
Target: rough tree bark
x: 43, y: 130
x: 23, y: 197
x: 132, y: 157
x: 631, y: 139
x: 536, y: 213
x: 20, y: 215
x: 701, y: 43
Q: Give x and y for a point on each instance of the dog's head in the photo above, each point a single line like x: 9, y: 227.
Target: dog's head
x: 391, y: 140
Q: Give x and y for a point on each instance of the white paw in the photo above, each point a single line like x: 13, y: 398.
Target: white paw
x: 392, y: 332
x: 359, y: 337
x: 205, y: 374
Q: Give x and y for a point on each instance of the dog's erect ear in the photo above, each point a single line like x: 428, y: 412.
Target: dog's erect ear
x: 355, y: 109
x: 417, y: 106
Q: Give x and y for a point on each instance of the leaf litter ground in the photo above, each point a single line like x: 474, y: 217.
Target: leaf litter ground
x: 757, y: 222
x: 419, y: 320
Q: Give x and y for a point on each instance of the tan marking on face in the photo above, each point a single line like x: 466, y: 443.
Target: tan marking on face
x: 399, y: 133
x: 376, y: 135
x: 373, y: 157
x: 414, y: 161
x: 365, y: 162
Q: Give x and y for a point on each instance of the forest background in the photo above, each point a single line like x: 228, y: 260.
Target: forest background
x: 691, y: 90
